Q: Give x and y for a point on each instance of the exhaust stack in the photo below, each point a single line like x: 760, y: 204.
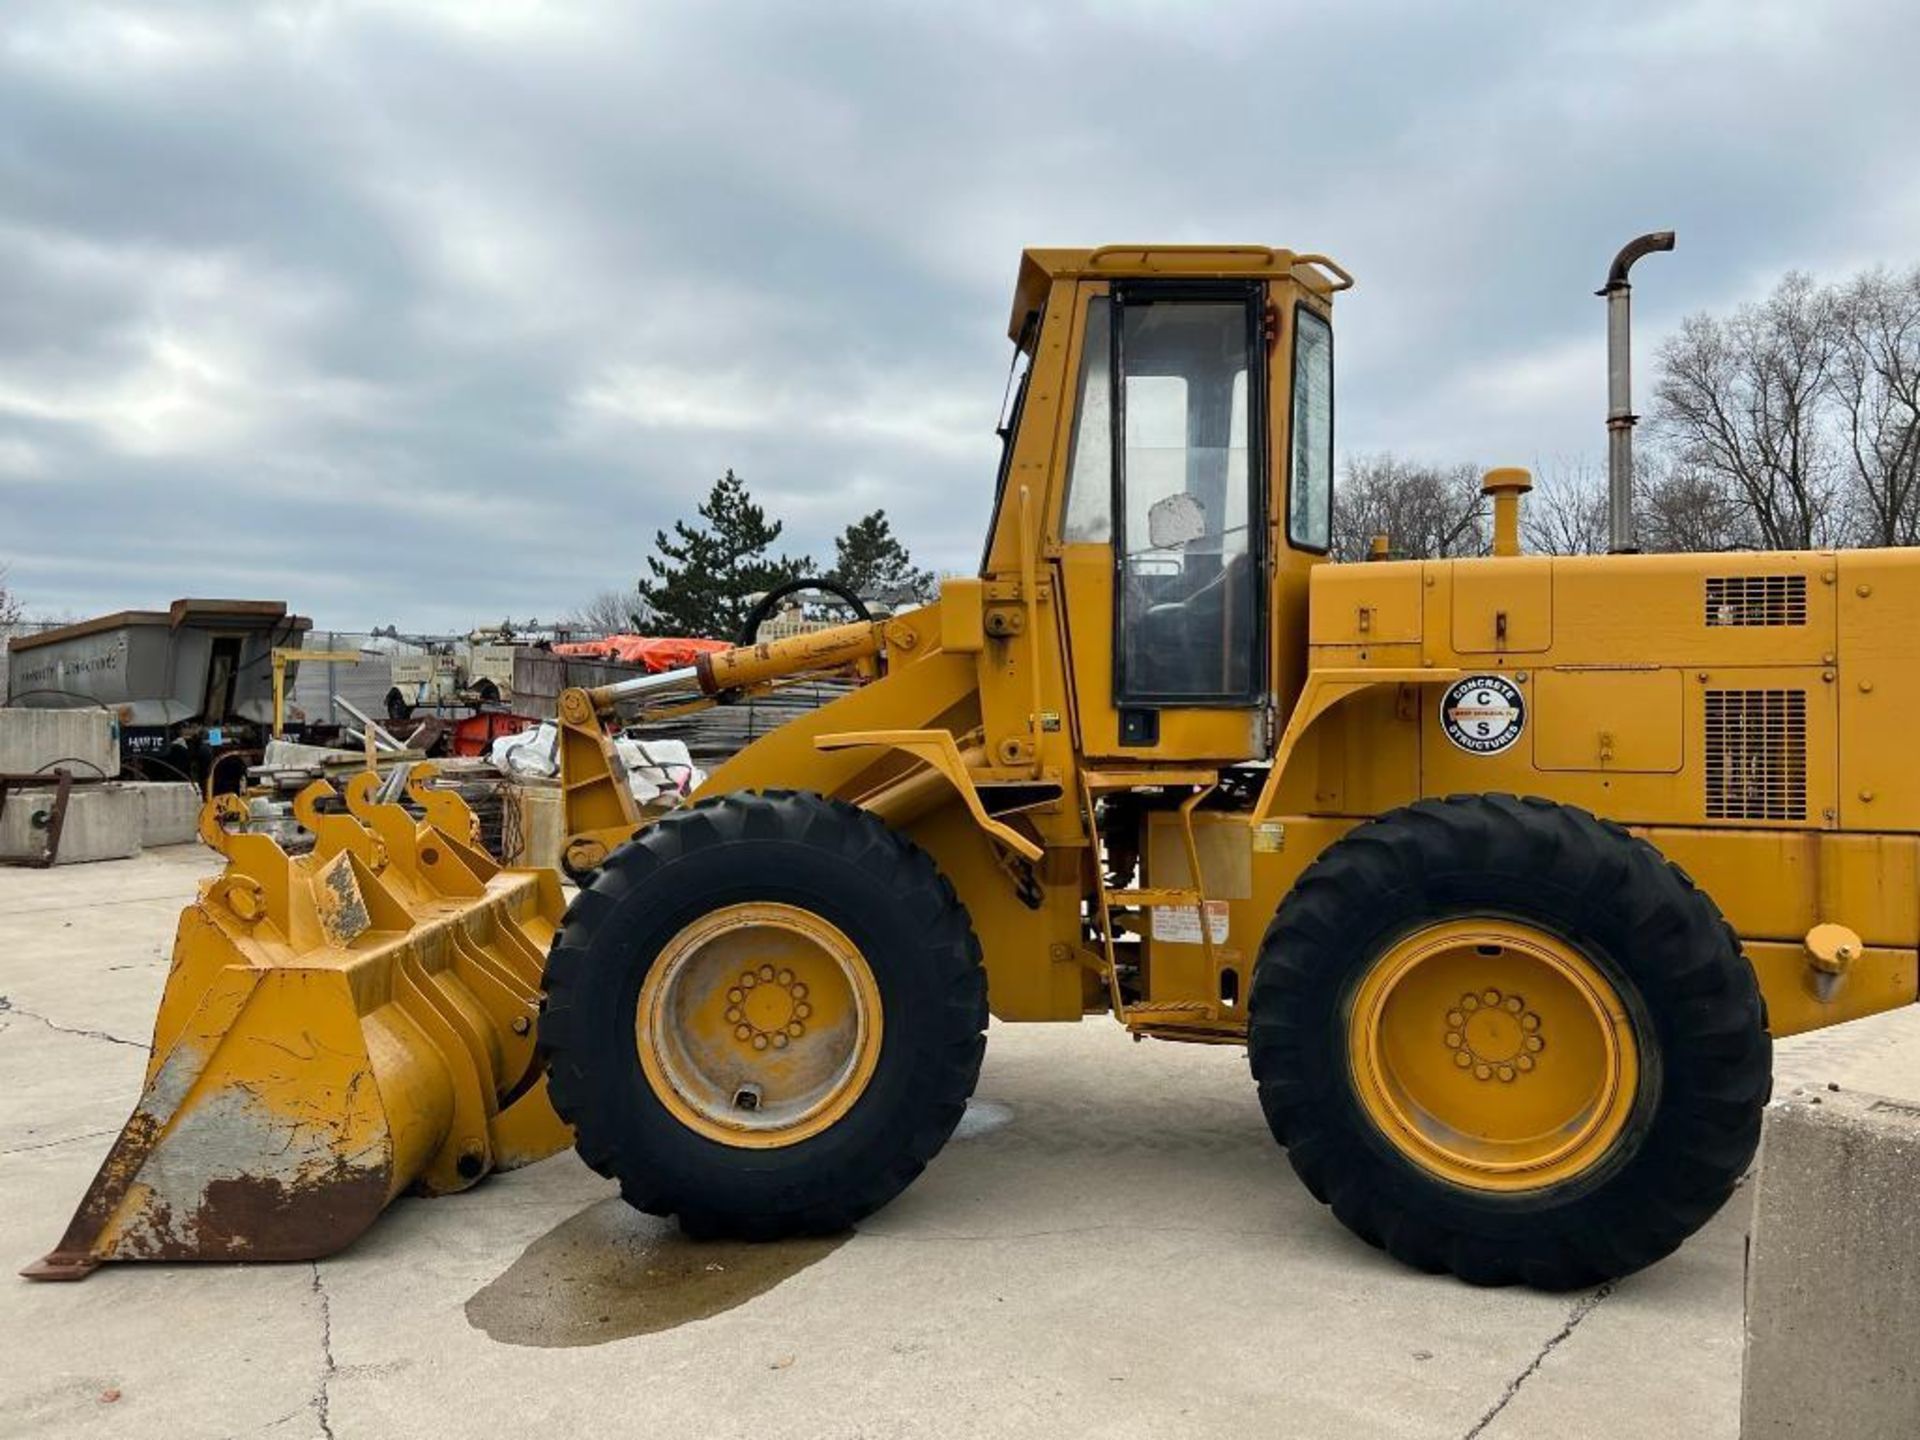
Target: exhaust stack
x: 1620, y: 416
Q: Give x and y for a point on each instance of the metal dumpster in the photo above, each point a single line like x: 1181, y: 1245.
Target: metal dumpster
x: 186, y: 684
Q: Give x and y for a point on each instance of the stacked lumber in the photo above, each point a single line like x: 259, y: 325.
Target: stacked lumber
x: 716, y: 734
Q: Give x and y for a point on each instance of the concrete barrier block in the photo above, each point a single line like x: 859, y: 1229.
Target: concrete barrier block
x: 102, y: 823
x: 169, y: 811
x: 36, y: 740
x: 1833, y: 1272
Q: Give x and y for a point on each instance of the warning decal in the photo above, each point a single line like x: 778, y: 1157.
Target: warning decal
x: 1180, y: 924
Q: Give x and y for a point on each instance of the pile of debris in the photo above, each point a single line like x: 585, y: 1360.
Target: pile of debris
x: 213, y: 696
x: 513, y: 792
x: 660, y: 772
x: 713, y: 735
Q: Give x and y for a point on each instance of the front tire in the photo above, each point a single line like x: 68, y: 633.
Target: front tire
x: 1503, y: 1038
x: 764, y: 1015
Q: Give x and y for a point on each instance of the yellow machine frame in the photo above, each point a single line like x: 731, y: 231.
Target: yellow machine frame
x: 374, y: 1016
x: 993, y: 737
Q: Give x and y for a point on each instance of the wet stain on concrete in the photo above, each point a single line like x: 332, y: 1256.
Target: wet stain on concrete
x: 610, y: 1273
x: 983, y: 1117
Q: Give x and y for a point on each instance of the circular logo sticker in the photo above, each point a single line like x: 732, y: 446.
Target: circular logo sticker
x: 1483, y: 714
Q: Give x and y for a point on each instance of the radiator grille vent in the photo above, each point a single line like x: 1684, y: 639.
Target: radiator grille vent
x: 1756, y: 600
x: 1756, y: 754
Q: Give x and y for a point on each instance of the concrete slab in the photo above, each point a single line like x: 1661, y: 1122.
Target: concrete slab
x: 1599, y: 1377
x: 169, y: 812
x: 35, y: 740
x: 1113, y: 1247
x: 183, y: 1351
x: 1833, y: 1280
x: 102, y: 822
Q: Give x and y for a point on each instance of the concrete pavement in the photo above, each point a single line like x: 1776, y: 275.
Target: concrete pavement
x: 1113, y: 1246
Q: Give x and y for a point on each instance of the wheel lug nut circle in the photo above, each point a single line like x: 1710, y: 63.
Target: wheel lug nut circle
x: 782, y: 1032
x: 1512, y: 1033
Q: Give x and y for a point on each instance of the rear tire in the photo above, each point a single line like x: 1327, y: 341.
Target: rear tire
x: 1667, y: 1138
x: 802, y: 869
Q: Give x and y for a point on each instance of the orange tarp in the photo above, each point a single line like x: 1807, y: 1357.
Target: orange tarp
x: 654, y: 653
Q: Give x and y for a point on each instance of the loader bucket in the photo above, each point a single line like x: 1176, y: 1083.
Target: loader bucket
x: 336, y: 1028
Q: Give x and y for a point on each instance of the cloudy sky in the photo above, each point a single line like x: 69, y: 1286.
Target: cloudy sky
x: 431, y: 311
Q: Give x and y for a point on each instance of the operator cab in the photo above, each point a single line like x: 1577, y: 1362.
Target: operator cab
x: 1192, y: 429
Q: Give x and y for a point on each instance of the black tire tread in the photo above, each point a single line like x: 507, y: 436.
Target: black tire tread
x: 949, y: 1068
x: 1710, y: 1020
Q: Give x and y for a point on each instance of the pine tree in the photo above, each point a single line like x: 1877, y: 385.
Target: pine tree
x: 704, y: 573
x: 874, y: 565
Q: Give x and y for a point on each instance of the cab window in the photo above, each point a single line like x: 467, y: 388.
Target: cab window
x: 1089, y: 519
x: 1310, y: 482
x: 1185, y: 428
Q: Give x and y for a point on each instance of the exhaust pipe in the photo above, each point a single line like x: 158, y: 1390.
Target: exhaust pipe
x: 1620, y: 417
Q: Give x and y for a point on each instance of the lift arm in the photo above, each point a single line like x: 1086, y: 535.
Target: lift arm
x: 598, y: 804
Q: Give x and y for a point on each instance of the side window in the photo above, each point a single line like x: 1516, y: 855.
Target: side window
x: 1188, y: 569
x: 1089, y: 518
x: 1310, y: 496
x: 1019, y: 374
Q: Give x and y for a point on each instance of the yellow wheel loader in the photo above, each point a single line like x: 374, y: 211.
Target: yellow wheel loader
x: 1503, y: 870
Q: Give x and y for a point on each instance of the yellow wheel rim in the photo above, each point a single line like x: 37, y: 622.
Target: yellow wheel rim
x: 1493, y: 1055
x: 759, y: 1025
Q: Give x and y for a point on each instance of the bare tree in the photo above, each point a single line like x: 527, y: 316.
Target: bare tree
x: 1425, y: 511
x: 610, y: 612
x: 1791, y: 424
x: 1740, y: 401
x: 1567, y: 512
x: 10, y: 612
x: 1685, y: 509
x: 1874, y: 381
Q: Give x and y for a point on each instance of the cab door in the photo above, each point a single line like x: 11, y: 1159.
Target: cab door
x: 1163, y: 531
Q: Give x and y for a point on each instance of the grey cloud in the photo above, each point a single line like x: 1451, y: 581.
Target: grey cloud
x: 427, y: 313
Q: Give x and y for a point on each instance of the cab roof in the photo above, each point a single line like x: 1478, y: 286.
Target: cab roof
x: 1039, y: 268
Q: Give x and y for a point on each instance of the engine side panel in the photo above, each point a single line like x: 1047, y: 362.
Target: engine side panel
x: 1749, y: 714
x: 1652, y: 689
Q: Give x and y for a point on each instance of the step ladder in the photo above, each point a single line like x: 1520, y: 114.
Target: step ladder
x: 1203, y: 782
